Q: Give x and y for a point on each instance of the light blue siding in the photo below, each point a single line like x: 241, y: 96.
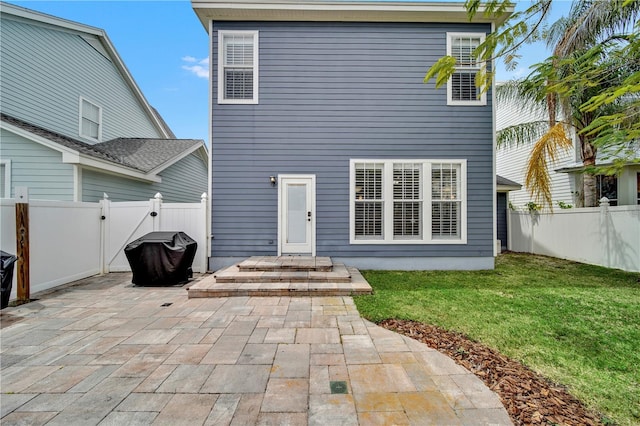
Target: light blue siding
x: 183, y: 182
x: 45, y: 70
x: 37, y: 167
x: 331, y: 92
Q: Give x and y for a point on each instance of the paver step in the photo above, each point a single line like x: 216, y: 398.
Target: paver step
x: 234, y: 274
x: 286, y: 263
x: 211, y: 287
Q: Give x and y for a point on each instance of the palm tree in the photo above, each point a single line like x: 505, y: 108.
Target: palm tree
x: 552, y: 88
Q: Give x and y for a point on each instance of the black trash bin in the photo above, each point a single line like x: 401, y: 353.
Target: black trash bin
x: 161, y: 258
x: 6, y: 275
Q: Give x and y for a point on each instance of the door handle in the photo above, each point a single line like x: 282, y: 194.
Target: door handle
x: 309, y: 216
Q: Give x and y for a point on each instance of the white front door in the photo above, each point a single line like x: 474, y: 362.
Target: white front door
x: 296, y: 211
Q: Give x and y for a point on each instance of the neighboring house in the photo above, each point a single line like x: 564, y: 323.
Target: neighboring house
x: 326, y: 141
x: 621, y: 189
x: 74, y: 125
x: 565, y: 174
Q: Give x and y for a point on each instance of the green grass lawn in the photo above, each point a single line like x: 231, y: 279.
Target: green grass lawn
x: 576, y: 324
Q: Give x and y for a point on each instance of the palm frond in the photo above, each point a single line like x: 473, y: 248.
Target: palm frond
x: 522, y: 95
x: 593, y: 20
x: 522, y: 134
x: 556, y: 31
x: 545, y: 150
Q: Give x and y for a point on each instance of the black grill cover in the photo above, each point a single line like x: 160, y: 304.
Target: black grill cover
x: 161, y: 258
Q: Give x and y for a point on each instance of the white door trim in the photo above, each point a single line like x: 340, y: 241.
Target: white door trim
x: 281, y: 214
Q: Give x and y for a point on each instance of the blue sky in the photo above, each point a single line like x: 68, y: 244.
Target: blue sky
x: 164, y: 46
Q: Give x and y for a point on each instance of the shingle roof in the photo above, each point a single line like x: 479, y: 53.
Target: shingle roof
x: 143, y: 154
x: 506, y: 182
x: 147, y: 154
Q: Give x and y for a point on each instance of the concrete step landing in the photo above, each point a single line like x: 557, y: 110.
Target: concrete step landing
x: 235, y: 274
x: 286, y: 263
x: 282, y: 276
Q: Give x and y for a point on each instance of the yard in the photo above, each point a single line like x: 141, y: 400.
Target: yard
x: 576, y: 324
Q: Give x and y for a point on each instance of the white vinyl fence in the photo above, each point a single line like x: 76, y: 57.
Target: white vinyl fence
x: 69, y: 241
x: 605, y: 236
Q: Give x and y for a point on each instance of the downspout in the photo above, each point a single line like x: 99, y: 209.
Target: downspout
x: 493, y: 154
x: 209, y: 237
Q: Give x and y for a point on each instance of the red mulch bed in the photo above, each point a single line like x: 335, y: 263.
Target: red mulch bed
x: 528, y: 397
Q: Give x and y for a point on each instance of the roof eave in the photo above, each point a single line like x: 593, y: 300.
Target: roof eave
x: 508, y: 188
x: 337, y: 11
x: 112, y: 168
x: 33, y: 15
x: 580, y: 168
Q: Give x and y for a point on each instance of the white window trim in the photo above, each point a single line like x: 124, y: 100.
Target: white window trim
x: 483, y: 96
x: 7, y: 177
x: 99, y: 139
x: 221, y: 99
x: 387, y: 188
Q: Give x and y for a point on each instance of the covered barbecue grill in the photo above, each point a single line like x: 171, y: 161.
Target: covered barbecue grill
x: 161, y: 258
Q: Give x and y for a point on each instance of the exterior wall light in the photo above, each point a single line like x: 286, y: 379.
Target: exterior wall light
x: 273, y: 180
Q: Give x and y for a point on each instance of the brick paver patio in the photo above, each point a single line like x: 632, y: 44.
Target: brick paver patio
x: 105, y: 352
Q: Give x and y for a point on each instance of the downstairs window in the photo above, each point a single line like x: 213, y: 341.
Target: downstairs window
x: 408, y: 202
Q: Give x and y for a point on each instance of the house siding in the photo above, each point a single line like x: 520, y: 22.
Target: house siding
x: 37, y: 167
x: 183, y: 182
x: 74, y: 68
x: 331, y: 92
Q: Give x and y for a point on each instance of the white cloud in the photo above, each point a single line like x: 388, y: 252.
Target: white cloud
x: 201, y: 69
x: 201, y: 72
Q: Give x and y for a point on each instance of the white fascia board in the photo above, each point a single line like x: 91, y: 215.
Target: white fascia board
x: 507, y: 188
x: 177, y: 158
x: 10, y: 9
x: 72, y: 156
x: 106, y: 167
x: 340, y: 11
x: 579, y: 167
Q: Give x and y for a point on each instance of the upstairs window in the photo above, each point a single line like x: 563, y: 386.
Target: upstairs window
x: 90, y: 120
x: 238, y: 67
x: 461, y: 88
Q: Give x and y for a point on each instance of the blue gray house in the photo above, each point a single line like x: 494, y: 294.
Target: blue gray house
x: 74, y: 125
x: 326, y: 141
